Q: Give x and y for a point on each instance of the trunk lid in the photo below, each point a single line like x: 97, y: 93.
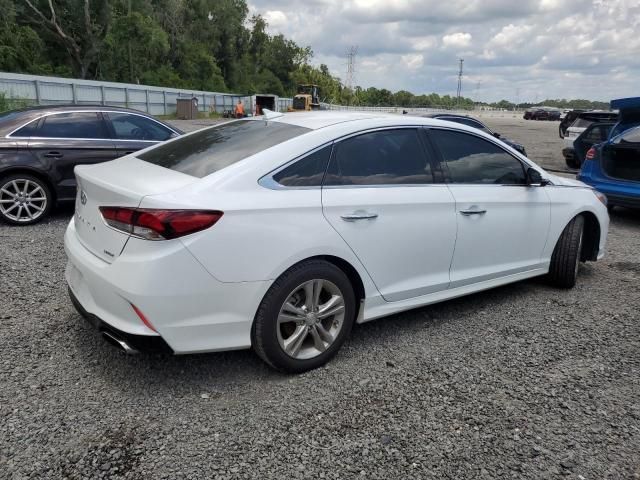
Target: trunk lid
x: 123, y: 183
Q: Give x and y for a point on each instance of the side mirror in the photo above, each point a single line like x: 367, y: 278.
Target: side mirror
x: 534, y: 179
x: 496, y: 134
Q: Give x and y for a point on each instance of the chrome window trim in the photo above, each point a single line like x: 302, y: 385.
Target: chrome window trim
x: 267, y: 180
x: 9, y: 135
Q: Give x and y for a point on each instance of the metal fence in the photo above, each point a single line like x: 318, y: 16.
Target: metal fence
x: 39, y: 90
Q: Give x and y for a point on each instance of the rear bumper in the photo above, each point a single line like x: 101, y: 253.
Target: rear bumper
x: 140, y: 343
x: 188, y: 308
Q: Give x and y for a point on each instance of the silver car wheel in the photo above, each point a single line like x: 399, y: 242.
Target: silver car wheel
x: 22, y: 200
x: 310, y: 319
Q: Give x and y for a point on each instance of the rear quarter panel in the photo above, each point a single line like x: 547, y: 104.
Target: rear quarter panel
x: 262, y: 233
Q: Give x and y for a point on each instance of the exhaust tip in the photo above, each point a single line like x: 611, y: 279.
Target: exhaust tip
x: 119, y: 343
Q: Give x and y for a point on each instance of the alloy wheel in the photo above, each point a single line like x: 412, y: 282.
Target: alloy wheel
x: 22, y: 200
x: 310, y: 319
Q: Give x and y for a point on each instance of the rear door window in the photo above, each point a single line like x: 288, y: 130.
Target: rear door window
x: 474, y: 160
x: 385, y: 157
x: 73, y: 125
x: 127, y: 126
x: 215, y: 148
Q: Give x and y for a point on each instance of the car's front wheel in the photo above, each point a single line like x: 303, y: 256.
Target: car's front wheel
x: 305, y: 317
x: 24, y: 199
x: 565, y: 259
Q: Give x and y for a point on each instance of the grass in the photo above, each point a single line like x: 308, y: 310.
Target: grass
x: 8, y: 103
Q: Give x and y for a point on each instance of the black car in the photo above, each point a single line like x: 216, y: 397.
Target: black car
x: 472, y: 122
x: 581, y: 122
x: 40, y: 146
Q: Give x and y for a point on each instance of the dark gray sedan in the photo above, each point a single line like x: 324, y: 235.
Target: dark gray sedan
x: 40, y: 146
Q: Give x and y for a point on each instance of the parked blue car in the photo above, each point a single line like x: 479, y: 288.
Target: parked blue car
x: 613, y: 166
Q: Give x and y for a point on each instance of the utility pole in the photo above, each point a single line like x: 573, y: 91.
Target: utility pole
x: 459, y: 83
x: 351, y: 66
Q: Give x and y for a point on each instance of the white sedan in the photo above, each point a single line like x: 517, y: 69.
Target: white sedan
x: 280, y: 232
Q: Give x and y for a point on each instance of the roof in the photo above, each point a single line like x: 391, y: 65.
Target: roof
x: 56, y: 108
x: 324, y: 118
x: 13, y: 119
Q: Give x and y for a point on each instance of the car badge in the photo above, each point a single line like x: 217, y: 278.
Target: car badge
x: 83, y: 197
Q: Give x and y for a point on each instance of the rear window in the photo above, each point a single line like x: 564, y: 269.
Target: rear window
x: 582, y: 123
x: 213, y: 149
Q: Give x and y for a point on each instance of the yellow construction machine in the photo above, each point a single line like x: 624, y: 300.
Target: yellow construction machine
x: 307, y: 98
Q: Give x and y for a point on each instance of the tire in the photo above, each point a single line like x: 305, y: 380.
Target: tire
x: 279, y: 336
x: 18, y: 205
x: 565, y: 259
x: 572, y: 162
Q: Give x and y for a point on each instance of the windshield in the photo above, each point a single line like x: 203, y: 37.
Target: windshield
x: 215, y: 148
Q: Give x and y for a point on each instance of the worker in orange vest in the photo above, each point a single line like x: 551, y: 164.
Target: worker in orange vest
x: 239, y: 109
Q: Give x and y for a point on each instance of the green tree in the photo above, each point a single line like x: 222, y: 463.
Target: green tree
x: 79, y: 26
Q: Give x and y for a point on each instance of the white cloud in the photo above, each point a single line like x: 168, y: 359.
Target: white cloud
x: 275, y: 18
x: 540, y: 48
x: 457, y: 40
x: 413, y: 61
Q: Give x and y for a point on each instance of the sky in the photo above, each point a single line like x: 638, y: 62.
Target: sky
x: 520, y: 50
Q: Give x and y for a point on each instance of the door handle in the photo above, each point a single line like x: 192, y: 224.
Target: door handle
x: 352, y: 217
x: 467, y: 213
x: 53, y: 154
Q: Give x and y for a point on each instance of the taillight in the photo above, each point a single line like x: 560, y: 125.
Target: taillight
x: 158, y: 224
x: 591, y: 154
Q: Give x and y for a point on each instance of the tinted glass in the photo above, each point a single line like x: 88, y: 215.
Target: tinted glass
x: 213, y: 149
x: 73, y: 125
x: 379, y: 158
x: 27, y: 131
x: 136, y: 127
x: 306, y: 172
x: 630, y: 136
x: 597, y: 134
x: 471, y: 159
x: 470, y: 122
x: 582, y: 123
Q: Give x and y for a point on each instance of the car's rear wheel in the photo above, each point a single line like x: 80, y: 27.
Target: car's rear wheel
x: 572, y: 162
x: 24, y: 199
x: 565, y: 259
x: 305, y: 317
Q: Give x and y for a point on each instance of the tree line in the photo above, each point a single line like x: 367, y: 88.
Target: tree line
x: 210, y: 45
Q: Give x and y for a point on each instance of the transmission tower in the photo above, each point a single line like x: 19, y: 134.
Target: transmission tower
x: 459, y: 83
x: 351, y: 66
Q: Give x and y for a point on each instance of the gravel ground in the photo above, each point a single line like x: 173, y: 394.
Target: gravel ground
x: 523, y: 381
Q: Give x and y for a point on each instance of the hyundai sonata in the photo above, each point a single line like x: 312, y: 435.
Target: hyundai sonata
x: 278, y: 233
